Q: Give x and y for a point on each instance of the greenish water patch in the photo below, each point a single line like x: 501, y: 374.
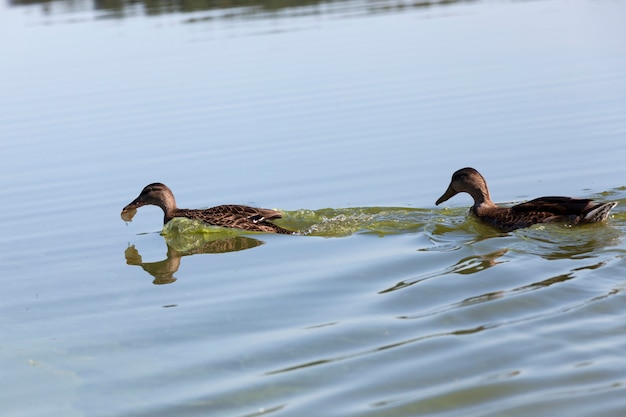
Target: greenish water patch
x: 184, y: 234
x: 330, y: 222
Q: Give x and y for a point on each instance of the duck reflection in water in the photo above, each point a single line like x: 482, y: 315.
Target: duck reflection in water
x: 163, y: 271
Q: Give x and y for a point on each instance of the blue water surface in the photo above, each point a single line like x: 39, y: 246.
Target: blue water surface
x: 350, y: 117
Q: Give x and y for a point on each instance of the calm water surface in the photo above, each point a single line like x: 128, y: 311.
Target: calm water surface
x: 350, y: 117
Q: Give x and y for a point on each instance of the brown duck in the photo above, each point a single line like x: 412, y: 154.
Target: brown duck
x: 233, y: 216
x: 539, y: 210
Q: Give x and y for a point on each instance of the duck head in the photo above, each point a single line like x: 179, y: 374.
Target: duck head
x: 156, y: 194
x: 468, y: 180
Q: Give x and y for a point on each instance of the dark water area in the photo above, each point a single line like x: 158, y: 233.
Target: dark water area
x: 228, y: 9
x: 349, y: 117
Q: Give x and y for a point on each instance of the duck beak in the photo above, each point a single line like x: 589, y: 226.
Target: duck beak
x: 136, y: 203
x: 450, y: 192
x: 129, y: 211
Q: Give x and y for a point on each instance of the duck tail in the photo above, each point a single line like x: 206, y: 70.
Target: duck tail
x: 599, y: 213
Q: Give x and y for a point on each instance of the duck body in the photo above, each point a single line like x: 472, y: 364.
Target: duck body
x: 234, y: 216
x: 540, y: 210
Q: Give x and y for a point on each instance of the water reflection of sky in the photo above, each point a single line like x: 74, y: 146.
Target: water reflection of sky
x: 524, y: 91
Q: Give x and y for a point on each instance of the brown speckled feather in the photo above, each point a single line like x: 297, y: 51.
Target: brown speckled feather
x: 540, y: 210
x: 234, y: 216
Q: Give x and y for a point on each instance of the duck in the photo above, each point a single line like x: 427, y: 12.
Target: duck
x: 233, y: 216
x: 568, y: 210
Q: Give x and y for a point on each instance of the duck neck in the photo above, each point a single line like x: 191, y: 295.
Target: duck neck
x: 168, y: 205
x: 482, y: 199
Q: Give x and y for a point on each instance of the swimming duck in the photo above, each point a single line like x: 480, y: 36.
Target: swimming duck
x: 233, y: 216
x: 539, y: 210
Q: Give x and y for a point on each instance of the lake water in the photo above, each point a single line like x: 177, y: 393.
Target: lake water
x: 349, y: 116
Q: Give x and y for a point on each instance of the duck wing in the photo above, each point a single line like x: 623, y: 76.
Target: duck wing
x: 238, y: 217
x: 575, y: 210
x: 563, y: 206
x: 230, y: 212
